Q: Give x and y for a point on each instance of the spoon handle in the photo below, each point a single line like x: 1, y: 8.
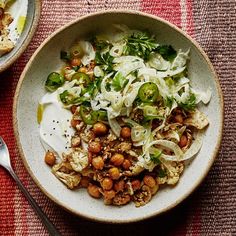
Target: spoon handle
x: 47, y: 223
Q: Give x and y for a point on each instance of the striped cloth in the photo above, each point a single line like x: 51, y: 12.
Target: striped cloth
x: 211, y: 209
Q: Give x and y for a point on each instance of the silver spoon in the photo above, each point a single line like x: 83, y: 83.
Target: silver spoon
x: 5, y: 162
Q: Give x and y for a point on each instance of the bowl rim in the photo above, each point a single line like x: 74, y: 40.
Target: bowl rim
x: 211, y: 160
x: 27, y: 39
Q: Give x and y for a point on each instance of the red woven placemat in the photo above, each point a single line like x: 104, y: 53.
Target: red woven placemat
x: 211, y: 209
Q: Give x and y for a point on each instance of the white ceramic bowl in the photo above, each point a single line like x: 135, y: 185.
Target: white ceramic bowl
x: 31, y: 88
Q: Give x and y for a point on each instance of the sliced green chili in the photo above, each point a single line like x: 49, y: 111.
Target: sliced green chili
x: 101, y: 115
x: 54, y: 81
x: 148, y: 92
x: 87, y: 116
x: 81, y: 77
x: 91, y: 117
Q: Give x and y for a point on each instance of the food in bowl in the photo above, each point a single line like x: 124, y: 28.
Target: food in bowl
x: 122, y: 116
x: 12, y: 20
x: 6, y: 45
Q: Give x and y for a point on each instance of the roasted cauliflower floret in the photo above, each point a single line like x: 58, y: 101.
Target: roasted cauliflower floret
x: 134, y: 170
x: 111, y: 136
x: 69, y: 177
x: 121, y: 199
x: 173, y: 172
x: 124, y: 146
x: 143, y: 196
x: 197, y: 119
x: 6, y: 45
x: 161, y: 180
x: 78, y: 159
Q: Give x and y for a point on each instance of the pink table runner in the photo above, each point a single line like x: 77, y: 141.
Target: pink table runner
x: 211, y: 209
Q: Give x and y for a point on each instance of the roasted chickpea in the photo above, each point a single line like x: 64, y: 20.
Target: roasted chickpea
x: 100, y: 129
x: 94, y: 147
x: 74, y: 123
x: 75, y: 62
x: 93, y: 191
x: 65, y: 73
x: 179, y: 119
x: 114, y: 173
x: 83, y: 69
x: 126, y: 164
x: 119, y: 186
x: 50, y: 158
x: 98, y: 163
x: 136, y: 184
x: 117, y: 159
x: 107, y: 184
x: 125, y: 132
x: 149, y: 181
x: 73, y: 109
x: 84, y: 182
x: 110, y: 194
x: 183, y: 141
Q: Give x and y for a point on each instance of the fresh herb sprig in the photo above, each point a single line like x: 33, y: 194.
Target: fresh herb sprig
x: 155, y: 157
x: 105, y: 60
x: 119, y: 82
x: 167, y: 52
x: 102, y: 56
x: 189, y: 104
x: 140, y: 44
x: 93, y: 87
x: 162, y: 173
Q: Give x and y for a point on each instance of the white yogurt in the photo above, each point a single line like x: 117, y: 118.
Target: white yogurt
x: 55, y: 128
x: 18, y: 11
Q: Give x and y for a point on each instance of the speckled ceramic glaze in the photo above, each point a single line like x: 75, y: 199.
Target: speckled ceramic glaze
x: 31, y: 88
x: 32, y: 17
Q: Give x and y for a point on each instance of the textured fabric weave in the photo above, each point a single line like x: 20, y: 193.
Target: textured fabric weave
x: 211, y: 209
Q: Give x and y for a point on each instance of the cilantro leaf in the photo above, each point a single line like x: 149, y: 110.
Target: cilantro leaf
x: 93, y: 87
x: 190, y: 104
x: 140, y: 44
x: 155, y: 158
x: 105, y: 60
x: 119, y: 82
x: 167, y: 52
x: 162, y: 173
